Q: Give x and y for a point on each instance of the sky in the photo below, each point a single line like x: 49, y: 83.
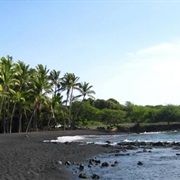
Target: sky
x: 128, y: 50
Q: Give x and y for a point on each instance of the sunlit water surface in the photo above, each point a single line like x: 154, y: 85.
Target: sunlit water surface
x: 158, y: 164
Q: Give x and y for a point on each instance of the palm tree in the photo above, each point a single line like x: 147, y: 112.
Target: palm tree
x: 55, y: 80
x: 55, y: 105
x: 25, y: 92
x: 85, y: 90
x: 22, y: 74
x: 18, y: 99
x: 41, y: 87
x: 69, y: 83
x: 8, y: 82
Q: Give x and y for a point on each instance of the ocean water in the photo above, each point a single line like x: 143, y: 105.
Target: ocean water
x: 158, y: 163
x: 171, y: 136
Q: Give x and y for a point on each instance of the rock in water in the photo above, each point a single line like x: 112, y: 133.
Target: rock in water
x: 95, y: 176
x: 83, y: 176
x: 81, y: 167
x: 105, y: 164
x: 139, y: 163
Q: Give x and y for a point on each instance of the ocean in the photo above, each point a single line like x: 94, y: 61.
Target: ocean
x: 156, y: 163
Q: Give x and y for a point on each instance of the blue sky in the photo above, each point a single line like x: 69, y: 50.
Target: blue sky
x: 128, y: 50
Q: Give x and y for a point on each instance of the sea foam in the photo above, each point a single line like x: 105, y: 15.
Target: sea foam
x: 64, y: 139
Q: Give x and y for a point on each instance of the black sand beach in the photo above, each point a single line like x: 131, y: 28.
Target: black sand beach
x: 26, y: 156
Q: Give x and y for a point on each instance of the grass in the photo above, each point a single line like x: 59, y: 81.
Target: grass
x: 95, y: 125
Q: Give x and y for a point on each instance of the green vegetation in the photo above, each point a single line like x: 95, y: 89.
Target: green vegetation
x: 39, y: 99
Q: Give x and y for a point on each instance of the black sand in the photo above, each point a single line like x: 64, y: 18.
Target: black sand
x: 25, y: 157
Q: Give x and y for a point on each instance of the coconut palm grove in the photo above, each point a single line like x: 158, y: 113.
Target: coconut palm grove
x: 37, y: 98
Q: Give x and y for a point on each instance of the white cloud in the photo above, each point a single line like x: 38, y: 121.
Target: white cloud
x: 157, y: 49
x: 159, y: 67
x: 150, y: 76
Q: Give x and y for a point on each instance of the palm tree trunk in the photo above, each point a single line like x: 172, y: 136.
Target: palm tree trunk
x: 64, y: 125
x: 2, y: 101
x: 33, y: 115
x: 4, y: 123
x: 55, y: 120
x: 12, y: 115
x: 49, y: 121
x: 67, y: 107
x: 70, y: 107
x: 20, y: 118
x: 20, y: 123
x: 1, y: 112
x: 37, y: 118
x: 76, y: 115
x: 8, y: 118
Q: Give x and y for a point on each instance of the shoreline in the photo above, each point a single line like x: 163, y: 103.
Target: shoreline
x: 26, y: 156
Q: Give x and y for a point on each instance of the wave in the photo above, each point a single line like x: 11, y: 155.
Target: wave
x: 159, y: 132
x: 170, y: 137
x: 150, y: 141
x: 64, y: 139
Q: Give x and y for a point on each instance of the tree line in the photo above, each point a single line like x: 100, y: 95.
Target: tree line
x: 39, y: 98
x: 111, y: 113
x: 35, y: 98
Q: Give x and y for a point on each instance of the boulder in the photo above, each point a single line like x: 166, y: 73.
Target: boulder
x: 139, y: 163
x: 105, y: 164
x: 158, y: 144
x: 95, y: 176
x: 81, y: 167
x: 83, y: 176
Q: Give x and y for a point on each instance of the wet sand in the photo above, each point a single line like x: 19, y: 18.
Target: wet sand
x: 25, y: 156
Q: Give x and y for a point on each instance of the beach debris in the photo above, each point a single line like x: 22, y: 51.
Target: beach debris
x: 68, y: 163
x: 60, y: 162
x: 74, y: 163
x: 58, y: 126
x: 105, y: 164
x: 95, y: 176
x: 26, y: 136
x: 83, y: 176
x: 139, y: 163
